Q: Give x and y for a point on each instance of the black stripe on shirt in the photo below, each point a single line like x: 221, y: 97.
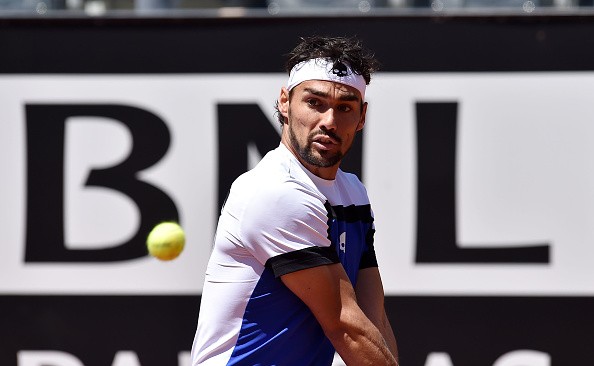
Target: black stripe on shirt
x: 368, y: 259
x: 350, y: 213
x: 301, y: 259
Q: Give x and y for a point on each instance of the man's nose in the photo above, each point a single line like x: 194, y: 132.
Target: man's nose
x: 328, y: 121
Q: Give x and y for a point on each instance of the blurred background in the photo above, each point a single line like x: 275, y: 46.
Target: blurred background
x: 283, y: 7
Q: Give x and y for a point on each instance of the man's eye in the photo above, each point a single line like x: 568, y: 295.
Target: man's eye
x: 313, y: 102
x: 345, y: 108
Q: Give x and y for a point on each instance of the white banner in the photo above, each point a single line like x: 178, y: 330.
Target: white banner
x: 525, y: 174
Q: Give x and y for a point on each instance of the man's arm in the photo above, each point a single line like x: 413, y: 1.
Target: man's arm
x: 370, y: 296
x: 328, y: 293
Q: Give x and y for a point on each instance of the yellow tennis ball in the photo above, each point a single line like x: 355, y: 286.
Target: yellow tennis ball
x: 166, y: 241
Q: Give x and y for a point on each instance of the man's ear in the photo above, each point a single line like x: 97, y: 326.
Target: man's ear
x: 283, y: 102
x: 362, y: 118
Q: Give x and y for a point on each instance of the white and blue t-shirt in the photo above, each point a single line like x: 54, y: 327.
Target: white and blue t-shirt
x: 278, y: 218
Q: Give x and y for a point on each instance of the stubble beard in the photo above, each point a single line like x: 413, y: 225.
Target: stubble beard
x: 308, y: 154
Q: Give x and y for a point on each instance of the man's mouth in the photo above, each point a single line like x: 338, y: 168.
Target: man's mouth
x: 324, y: 142
x: 324, y: 139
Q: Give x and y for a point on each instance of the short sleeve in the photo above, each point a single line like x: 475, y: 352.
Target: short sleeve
x: 282, y: 218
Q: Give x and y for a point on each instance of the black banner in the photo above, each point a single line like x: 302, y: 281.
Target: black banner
x: 472, y: 331
x: 233, y: 45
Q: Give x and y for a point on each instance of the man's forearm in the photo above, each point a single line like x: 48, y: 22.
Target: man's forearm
x: 388, y: 334
x: 362, y: 343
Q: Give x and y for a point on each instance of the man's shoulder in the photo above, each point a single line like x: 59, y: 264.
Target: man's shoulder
x: 350, y: 178
x: 349, y: 185
x: 349, y: 181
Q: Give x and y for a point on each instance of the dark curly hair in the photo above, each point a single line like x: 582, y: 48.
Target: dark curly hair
x: 346, y: 49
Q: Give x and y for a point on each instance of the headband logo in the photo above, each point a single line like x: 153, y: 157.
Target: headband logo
x: 340, y: 69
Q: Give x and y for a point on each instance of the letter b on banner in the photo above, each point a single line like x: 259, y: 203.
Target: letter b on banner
x: 46, y: 125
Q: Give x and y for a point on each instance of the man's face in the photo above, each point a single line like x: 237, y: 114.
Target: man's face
x: 323, y: 118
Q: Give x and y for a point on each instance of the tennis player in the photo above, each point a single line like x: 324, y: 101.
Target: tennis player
x: 293, y: 275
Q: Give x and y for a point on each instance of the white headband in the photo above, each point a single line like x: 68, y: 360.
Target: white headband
x: 326, y: 69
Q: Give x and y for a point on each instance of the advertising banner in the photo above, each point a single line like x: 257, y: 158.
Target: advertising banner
x: 477, y: 155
